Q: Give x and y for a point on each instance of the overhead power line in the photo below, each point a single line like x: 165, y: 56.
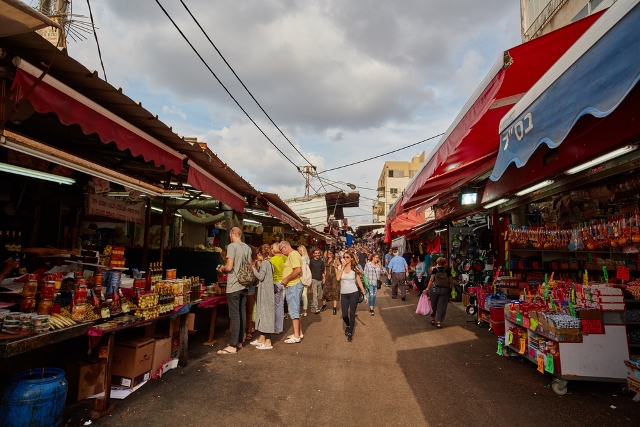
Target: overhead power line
x: 381, y: 155
x: 95, y: 35
x: 242, y: 83
x: 222, y: 84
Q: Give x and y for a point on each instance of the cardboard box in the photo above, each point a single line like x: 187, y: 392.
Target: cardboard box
x: 171, y: 364
x: 633, y: 385
x: 161, y: 354
x: 132, y: 358
x: 126, y: 382
x: 85, y: 377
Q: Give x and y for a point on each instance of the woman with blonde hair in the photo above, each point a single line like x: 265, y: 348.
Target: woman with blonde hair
x: 305, y: 300
x: 350, y: 289
x: 265, y: 313
x: 441, y: 283
x: 277, y: 261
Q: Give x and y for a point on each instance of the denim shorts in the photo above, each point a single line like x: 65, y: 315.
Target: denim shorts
x: 294, y: 293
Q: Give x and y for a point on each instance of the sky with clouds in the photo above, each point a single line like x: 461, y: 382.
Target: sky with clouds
x: 343, y: 79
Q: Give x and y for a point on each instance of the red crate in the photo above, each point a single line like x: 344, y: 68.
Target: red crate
x: 497, y: 314
x: 498, y: 328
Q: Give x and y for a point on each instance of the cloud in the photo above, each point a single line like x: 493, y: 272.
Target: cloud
x: 174, y: 111
x: 344, y: 80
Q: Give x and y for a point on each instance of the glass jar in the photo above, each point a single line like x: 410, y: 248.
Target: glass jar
x: 30, y: 288
x: 28, y: 305
x: 78, y: 312
x: 45, y: 306
x: 48, y: 290
x: 80, y: 295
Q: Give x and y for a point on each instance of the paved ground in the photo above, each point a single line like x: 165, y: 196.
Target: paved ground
x: 399, y: 370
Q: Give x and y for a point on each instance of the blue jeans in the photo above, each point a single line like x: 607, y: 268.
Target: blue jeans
x: 371, y: 295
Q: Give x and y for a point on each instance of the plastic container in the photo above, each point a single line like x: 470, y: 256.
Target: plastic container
x: 35, y: 398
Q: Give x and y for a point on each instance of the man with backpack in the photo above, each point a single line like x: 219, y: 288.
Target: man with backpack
x: 293, y: 289
x: 238, y: 260
x: 441, y: 282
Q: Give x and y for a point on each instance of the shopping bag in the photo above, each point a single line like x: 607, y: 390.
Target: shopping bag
x: 415, y: 287
x: 424, y: 306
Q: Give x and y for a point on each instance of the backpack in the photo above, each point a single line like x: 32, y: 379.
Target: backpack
x: 245, y: 272
x: 305, y: 276
x: 441, y: 278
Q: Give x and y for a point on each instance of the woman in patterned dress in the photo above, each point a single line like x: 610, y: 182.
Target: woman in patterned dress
x: 331, y: 284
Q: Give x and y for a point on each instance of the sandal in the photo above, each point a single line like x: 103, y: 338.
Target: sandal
x: 225, y: 351
x: 439, y: 325
x: 292, y: 340
x: 433, y: 322
x: 293, y: 336
x: 248, y: 336
x: 264, y: 347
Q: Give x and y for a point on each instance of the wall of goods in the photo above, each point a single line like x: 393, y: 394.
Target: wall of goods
x: 568, y: 299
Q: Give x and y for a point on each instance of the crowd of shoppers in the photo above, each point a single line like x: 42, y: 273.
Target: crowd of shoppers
x: 351, y: 275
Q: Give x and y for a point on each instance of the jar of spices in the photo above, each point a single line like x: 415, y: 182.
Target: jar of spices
x: 45, y: 306
x: 30, y: 287
x: 28, y: 305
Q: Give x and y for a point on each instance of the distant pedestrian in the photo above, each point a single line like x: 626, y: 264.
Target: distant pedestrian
x: 266, y: 311
x: 331, y: 284
x: 350, y: 288
x: 237, y: 253
x: 408, y: 256
x: 293, y: 289
x: 251, y: 299
x: 398, y: 272
x: 421, y: 275
x: 305, y: 289
x: 277, y: 261
x: 362, y: 257
x: 439, y: 290
x: 373, y: 270
x: 387, y: 259
x: 316, y: 265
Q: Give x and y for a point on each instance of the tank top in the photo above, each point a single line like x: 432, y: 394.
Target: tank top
x: 348, y: 283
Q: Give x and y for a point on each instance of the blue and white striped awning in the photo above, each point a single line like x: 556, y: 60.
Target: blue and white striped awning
x: 592, y: 77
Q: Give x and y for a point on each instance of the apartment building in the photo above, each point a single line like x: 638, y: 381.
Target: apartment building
x: 393, y: 179
x: 538, y: 17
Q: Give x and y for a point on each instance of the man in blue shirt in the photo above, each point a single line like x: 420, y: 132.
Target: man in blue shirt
x: 398, y: 271
x: 387, y: 259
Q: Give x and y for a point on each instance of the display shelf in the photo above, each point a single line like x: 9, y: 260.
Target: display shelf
x: 632, y: 300
x: 98, y: 265
x: 632, y: 323
x: 12, y: 348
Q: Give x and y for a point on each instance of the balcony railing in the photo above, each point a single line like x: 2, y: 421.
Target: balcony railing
x: 543, y: 19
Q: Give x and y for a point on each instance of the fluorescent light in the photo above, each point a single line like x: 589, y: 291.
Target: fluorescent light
x: 250, y: 221
x: 182, y: 198
x: 440, y: 231
x: 535, y: 187
x: 118, y: 194
x: 31, y: 173
x: 612, y: 155
x: 496, y: 203
x: 206, y: 195
x: 177, y: 214
x: 153, y: 208
x: 174, y: 194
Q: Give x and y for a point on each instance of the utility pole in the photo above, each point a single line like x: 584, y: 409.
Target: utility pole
x: 308, y: 172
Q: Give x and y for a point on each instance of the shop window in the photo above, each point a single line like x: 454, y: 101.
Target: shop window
x: 583, y: 13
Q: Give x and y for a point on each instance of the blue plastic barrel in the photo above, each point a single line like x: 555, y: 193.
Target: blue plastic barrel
x: 35, y: 398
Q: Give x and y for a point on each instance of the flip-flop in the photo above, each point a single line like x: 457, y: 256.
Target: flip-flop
x: 255, y: 342
x: 433, y: 322
x: 439, y: 326
x: 225, y: 351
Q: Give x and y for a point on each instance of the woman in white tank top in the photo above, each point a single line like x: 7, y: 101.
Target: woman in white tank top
x: 350, y: 288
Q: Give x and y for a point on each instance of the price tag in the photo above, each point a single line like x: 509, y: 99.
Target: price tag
x: 622, y: 273
x: 592, y: 326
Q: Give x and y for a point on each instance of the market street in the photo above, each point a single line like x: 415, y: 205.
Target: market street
x: 399, y: 370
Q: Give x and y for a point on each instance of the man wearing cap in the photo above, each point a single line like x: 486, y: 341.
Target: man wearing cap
x: 398, y: 271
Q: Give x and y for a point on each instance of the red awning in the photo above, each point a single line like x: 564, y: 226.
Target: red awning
x: 469, y: 147
x: 405, y: 222
x: 279, y: 209
x: 201, y: 180
x: 52, y: 96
